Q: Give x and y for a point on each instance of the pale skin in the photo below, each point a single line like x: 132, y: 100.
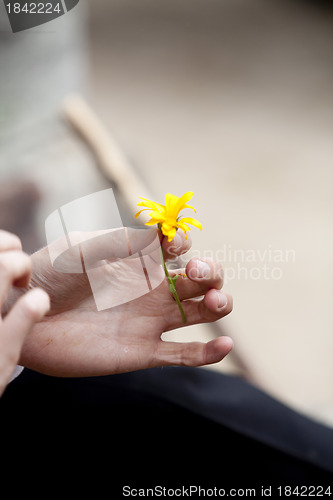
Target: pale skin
x: 73, y: 339
x: 15, y: 269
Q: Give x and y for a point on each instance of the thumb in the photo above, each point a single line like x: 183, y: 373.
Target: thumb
x: 193, y: 353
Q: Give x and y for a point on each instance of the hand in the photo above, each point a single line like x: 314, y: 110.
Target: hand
x: 15, y: 269
x: 75, y: 339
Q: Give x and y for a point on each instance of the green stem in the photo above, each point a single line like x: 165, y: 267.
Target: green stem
x: 172, y: 288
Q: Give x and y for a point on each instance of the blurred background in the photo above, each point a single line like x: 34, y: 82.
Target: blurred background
x: 231, y: 99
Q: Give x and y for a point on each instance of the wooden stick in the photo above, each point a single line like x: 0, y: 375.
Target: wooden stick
x: 109, y: 158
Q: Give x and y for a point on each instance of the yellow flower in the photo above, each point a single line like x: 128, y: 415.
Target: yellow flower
x: 167, y: 216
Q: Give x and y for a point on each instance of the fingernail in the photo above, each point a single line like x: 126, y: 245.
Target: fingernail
x: 222, y: 300
x: 202, y: 269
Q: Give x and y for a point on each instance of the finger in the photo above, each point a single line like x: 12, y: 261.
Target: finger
x: 178, y: 246
x: 28, y: 310
x: 15, y: 268
x: 92, y: 248
x: 200, y: 276
x: 9, y: 241
x: 88, y: 249
x: 212, y: 307
x: 193, y: 353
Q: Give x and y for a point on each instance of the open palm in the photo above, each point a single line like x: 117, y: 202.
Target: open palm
x: 77, y: 339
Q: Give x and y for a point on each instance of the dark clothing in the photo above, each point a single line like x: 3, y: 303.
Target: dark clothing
x: 170, y: 427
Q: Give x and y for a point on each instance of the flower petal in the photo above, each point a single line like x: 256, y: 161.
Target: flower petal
x: 189, y: 206
x: 183, y: 200
x: 151, y: 204
x: 137, y: 215
x: 171, y: 204
x: 184, y: 227
x: 170, y: 232
x: 167, y: 226
x: 158, y: 216
x: 190, y: 220
x: 152, y: 222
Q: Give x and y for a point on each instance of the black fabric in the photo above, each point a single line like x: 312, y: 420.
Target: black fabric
x: 167, y: 426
